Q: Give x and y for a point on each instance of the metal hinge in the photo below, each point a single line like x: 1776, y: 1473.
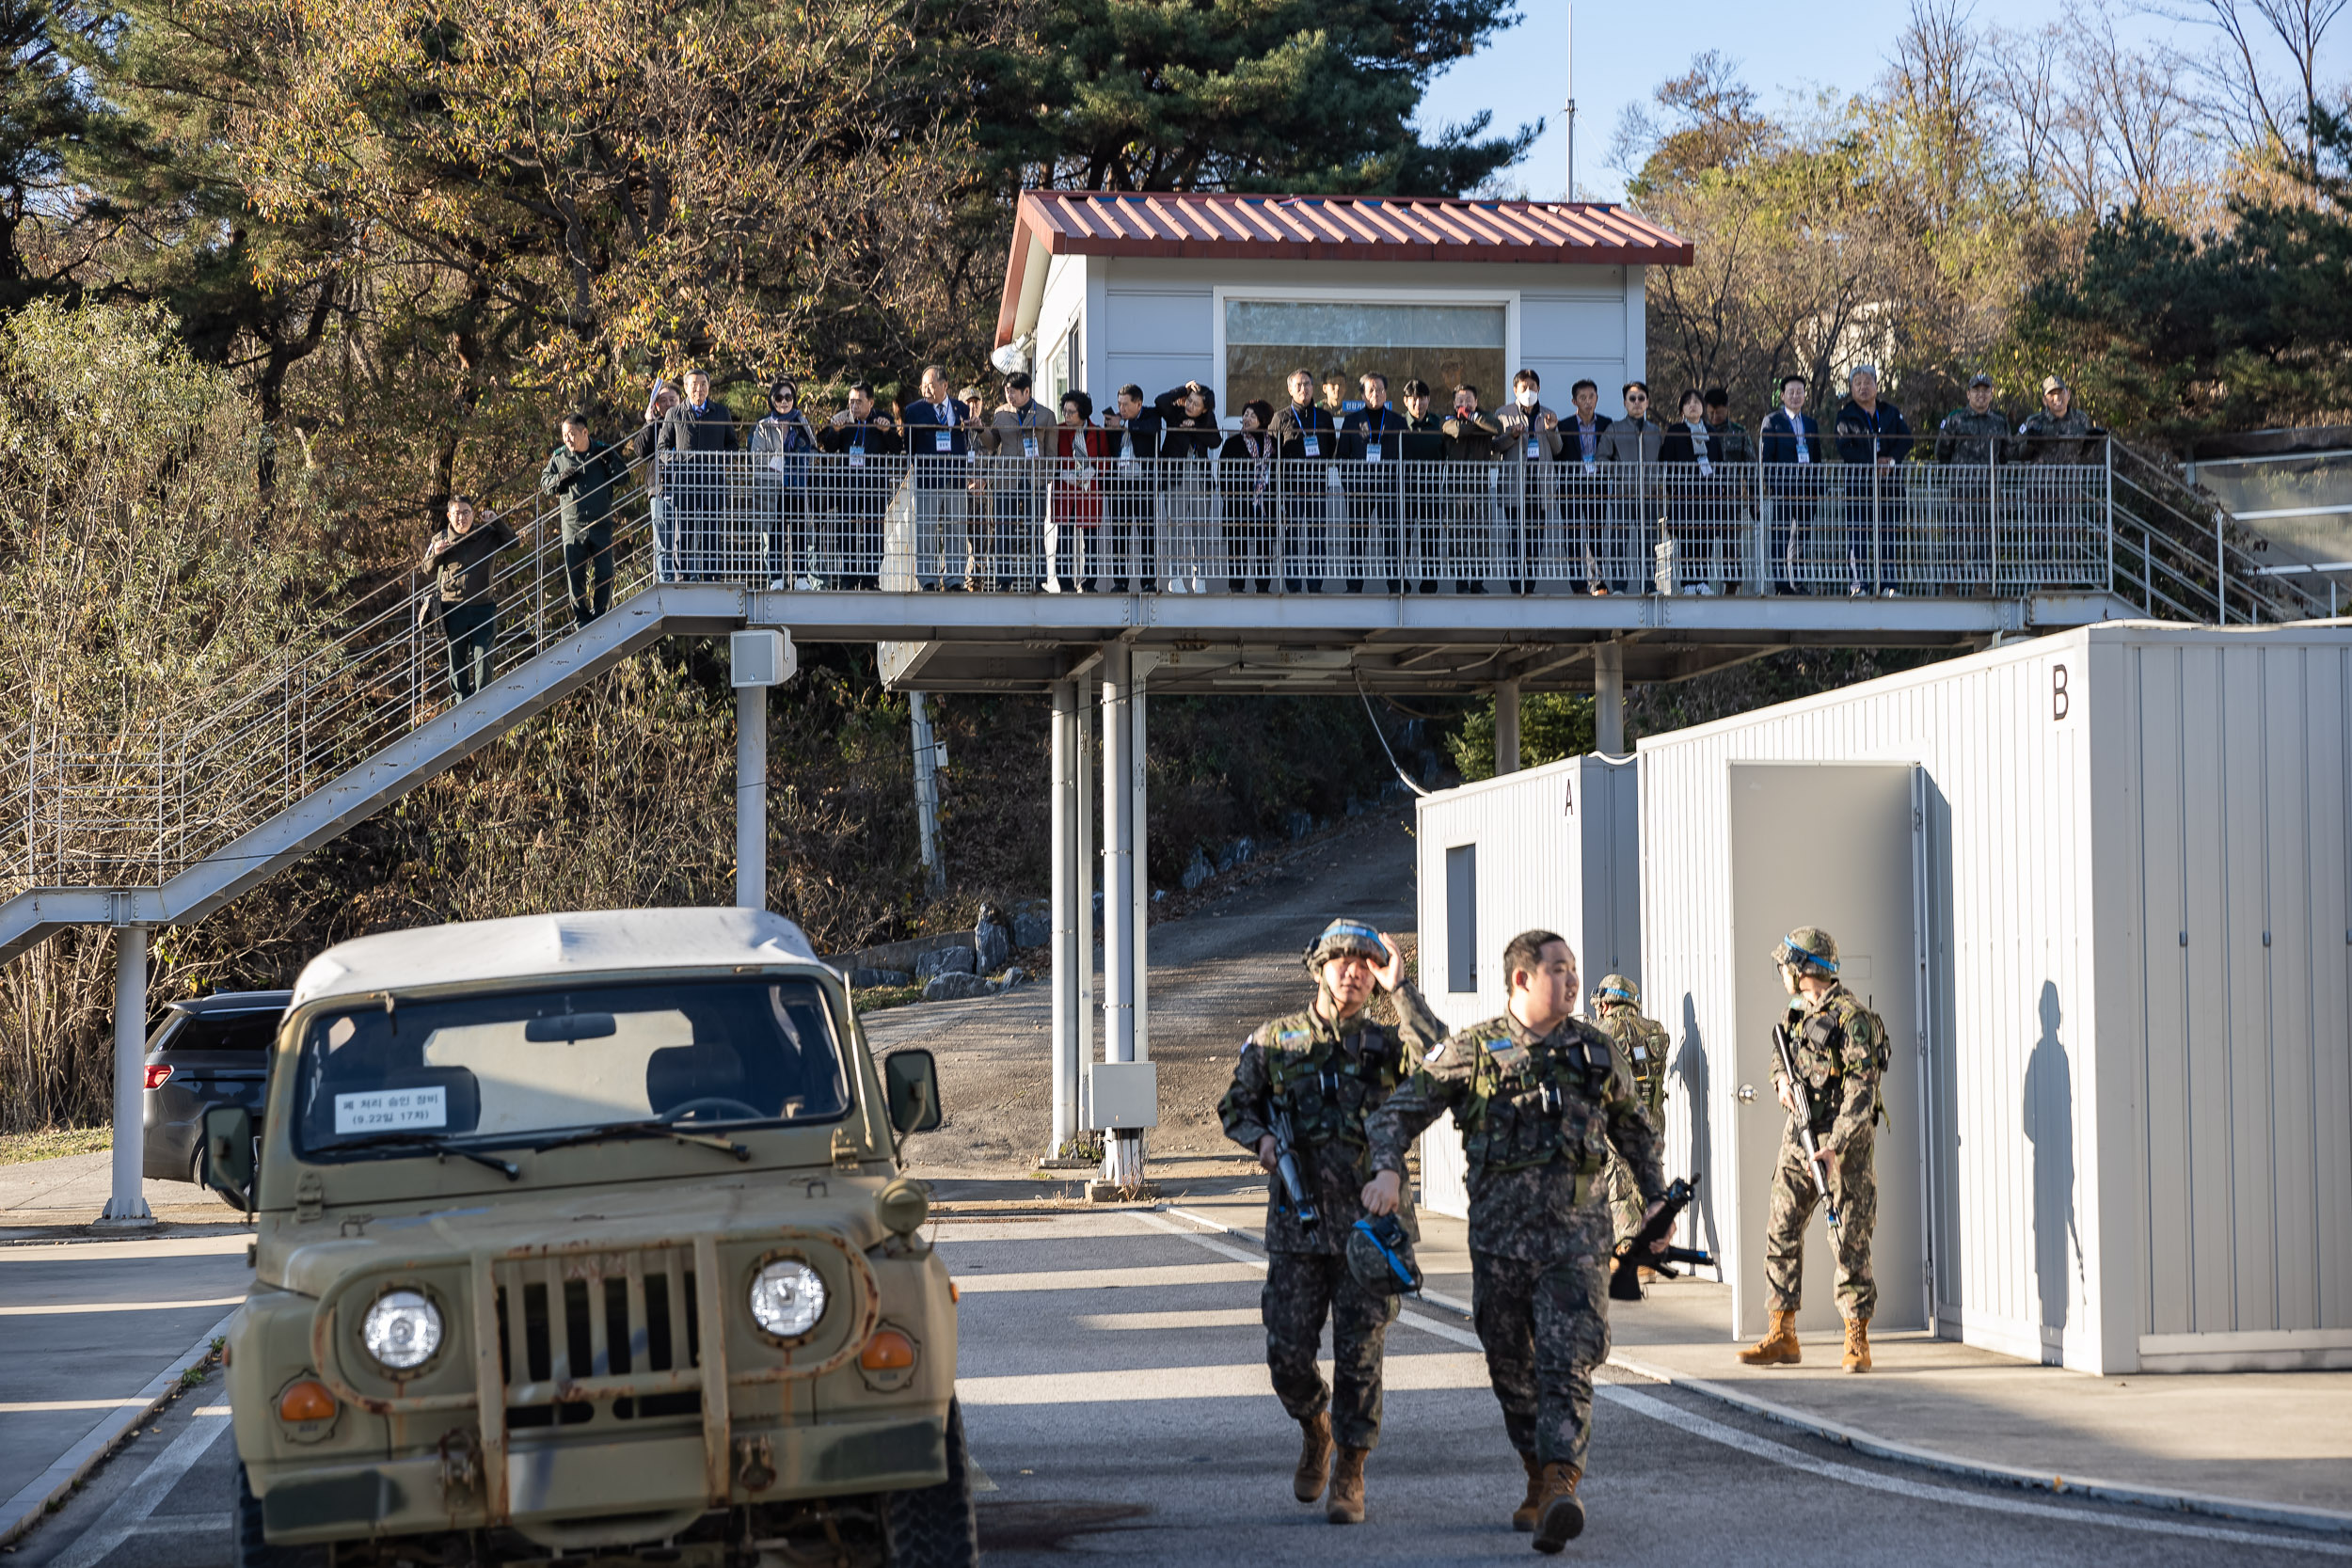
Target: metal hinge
x: 847, y: 1152
x: 309, y: 1197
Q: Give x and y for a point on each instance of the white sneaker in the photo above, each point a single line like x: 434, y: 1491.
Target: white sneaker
x: 777, y: 585
x: 1052, y: 585
x: 1175, y: 585
x: 1198, y: 586
x: 808, y: 584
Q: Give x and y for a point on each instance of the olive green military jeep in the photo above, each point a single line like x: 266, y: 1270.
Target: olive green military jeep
x: 583, y: 1237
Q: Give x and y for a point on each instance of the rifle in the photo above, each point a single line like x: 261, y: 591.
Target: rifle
x: 1625, y: 1279
x: 1787, y: 1057
x: 1290, y: 1168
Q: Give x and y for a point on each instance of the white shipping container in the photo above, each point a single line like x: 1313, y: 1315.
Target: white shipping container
x: 2100, y: 886
x: 1553, y: 847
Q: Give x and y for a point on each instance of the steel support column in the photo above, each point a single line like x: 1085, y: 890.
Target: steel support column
x: 1506, y: 727
x: 927, y: 793
x: 1608, y: 699
x: 1069, y: 918
x: 751, y: 797
x: 127, y: 1205
x: 1123, y: 1151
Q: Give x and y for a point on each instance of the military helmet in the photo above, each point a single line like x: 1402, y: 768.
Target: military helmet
x: 1808, y: 948
x: 1380, y: 1255
x: 1616, y: 988
x: 1342, y: 937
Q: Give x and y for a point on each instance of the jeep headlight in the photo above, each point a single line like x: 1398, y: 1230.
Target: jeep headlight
x: 402, y: 1330
x: 787, y: 1298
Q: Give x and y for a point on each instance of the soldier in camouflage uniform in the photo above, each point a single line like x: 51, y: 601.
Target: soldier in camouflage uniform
x: 2058, y: 433
x: 1543, y: 1100
x: 1840, y: 1051
x: 1328, y: 1069
x: 1616, y: 1006
x: 1969, y: 443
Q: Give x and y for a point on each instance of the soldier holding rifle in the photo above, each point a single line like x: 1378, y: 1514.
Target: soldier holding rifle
x: 1835, y: 1052
x: 1543, y: 1099
x: 1302, y: 1089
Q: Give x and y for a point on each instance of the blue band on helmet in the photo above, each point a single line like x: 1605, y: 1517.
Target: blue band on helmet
x: 1618, y: 992
x: 1344, y: 928
x: 1811, y: 956
x: 1396, y: 1265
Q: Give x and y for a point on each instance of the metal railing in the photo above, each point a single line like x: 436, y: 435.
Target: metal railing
x: 132, y: 805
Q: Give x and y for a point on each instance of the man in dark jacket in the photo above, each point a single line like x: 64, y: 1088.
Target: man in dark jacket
x: 1628, y: 451
x: 1872, y: 442
x: 695, y: 476
x: 1131, y: 435
x: 1583, y: 491
x: 936, y: 443
x: 1423, y: 445
x: 1969, y: 444
x: 1371, y: 444
x: 1793, y: 456
x: 580, y: 475
x: 867, y: 442
x: 1309, y: 442
x: 1472, y: 520
x: 461, y: 558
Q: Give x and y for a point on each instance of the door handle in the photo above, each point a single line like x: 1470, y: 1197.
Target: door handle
x: 1747, y: 1093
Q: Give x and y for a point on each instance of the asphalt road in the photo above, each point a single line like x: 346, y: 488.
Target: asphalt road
x: 1116, y: 1399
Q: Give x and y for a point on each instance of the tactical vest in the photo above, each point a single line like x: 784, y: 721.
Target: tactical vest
x: 1328, y: 1085
x: 1535, y: 1106
x: 1822, y: 1062
x: 1644, y: 1043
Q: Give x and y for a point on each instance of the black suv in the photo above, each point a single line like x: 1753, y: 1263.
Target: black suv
x: 211, y: 1051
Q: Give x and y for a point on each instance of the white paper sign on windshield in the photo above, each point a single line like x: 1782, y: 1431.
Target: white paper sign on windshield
x: 392, y: 1109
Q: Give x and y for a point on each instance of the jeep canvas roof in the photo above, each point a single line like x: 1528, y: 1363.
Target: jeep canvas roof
x: 519, y: 948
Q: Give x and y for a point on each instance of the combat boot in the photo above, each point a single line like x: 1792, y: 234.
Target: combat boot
x: 1347, y: 1487
x: 1778, y: 1348
x: 1314, y: 1456
x: 1857, y: 1344
x: 1523, y: 1516
x: 1559, y: 1518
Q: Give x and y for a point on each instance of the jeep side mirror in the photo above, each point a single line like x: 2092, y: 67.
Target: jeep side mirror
x: 228, y: 1153
x: 911, y: 1080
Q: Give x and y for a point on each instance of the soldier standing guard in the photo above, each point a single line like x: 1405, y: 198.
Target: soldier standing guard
x: 1617, y: 1009
x: 1543, y: 1100
x: 1840, y: 1051
x: 1326, y: 1070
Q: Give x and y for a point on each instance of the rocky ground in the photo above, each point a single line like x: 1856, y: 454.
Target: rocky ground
x: 1216, y: 971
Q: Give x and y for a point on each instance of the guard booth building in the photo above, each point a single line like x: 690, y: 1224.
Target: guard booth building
x: 1235, y: 292
x: 2099, y: 885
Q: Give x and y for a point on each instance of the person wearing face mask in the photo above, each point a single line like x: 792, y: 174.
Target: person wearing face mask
x: 1582, y: 490
x: 782, y: 444
x: 1422, y: 444
x: 1630, y: 448
x: 866, y: 443
x: 1245, y: 470
x: 1694, y: 459
x: 1308, y: 442
x: 1531, y: 440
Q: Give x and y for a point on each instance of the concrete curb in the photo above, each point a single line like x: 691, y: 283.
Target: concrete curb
x: 2245, y: 1509
x: 21, y: 1512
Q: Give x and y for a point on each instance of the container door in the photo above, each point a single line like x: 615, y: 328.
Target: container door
x: 1826, y: 845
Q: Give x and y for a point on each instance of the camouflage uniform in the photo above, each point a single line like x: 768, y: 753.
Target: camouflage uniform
x: 1839, y: 1045
x: 1328, y: 1077
x: 2059, y: 437
x: 1969, y: 444
x: 1540, y: 1116
x: 1644, y: 1044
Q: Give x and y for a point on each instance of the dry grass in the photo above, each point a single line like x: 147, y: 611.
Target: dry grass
x: 53, y: 1142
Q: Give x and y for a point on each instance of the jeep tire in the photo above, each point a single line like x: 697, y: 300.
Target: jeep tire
x: 253, y: 1551
x: 932, y: 1528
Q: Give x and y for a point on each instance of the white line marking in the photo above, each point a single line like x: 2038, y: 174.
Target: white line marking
x: 1780, y: 1453
x: 191, y: 1524
x: 115, y: 1525
x: 43, y: 1407
x: 81, y: 1307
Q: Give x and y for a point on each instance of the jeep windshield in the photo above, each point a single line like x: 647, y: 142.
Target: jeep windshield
x: 527, y: 1067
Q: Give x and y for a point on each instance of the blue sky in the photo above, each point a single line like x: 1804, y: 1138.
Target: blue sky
x: 1624, y: 50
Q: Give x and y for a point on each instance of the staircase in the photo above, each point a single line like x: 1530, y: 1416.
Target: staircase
x: 165, y: 823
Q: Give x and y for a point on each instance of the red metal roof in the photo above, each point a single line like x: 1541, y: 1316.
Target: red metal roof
x: 1215, y: 226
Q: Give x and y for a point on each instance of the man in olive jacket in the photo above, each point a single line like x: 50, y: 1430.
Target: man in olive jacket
x: 580, y: 475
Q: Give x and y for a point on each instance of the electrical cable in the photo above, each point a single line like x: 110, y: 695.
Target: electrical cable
x: 1374, y: 719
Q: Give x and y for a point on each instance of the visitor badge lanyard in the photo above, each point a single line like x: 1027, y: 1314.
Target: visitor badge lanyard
x: 1028, y: 444
x: 1313, y: 444
x: 1804, y: 450
x: 857, y: 449
x: 1126, y: 447
x: 1588, y: 440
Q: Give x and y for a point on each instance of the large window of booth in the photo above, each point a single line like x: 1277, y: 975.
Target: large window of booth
x: 1442, y: 344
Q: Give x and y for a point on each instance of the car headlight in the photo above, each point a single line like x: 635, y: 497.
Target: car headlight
x: 787, y: 1298
x: 402, y: 1330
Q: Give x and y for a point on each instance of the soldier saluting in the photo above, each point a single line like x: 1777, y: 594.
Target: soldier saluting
x: 1543, y: 1100
x: 1616, y: 1007
x: 1320, y: 1073
x: 1839, y: 1049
